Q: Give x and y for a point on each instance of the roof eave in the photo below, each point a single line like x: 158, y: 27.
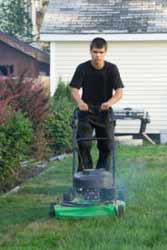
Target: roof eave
x: 24, y: 48
x: 67, y: 37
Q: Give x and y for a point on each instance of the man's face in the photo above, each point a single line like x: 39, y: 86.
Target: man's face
x: 98, y: 55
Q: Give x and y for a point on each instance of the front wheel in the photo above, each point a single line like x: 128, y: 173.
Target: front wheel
x: 120, y: 210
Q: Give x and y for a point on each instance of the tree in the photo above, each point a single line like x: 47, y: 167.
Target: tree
x: 15, y: 19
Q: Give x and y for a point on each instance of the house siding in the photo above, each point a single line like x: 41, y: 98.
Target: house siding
x: 143, y: 70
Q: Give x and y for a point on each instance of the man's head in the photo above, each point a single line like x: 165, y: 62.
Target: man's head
x: 98, y: 43
x: 98, y: 49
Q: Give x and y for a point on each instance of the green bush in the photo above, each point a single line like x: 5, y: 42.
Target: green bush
x: 31, y: 98
x: 15, y: 139
x: 58, y: 123
x: 63, y: 91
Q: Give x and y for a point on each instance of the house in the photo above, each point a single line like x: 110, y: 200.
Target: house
x: 137, y: 34
x: 36, y: 8
x: 18, y: 57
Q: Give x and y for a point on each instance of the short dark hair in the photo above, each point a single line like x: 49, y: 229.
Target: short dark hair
x: 98, y: 43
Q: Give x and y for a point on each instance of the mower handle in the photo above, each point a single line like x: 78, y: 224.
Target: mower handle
x: 75, y: 140
x: 92, y: 107
x: 90, y: 110
x: 93, y: 139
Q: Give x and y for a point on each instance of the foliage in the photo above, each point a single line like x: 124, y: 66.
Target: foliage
x: 23, y: 108
x: 24, y: 95
x: 15, y: 19
x: 58, y: 123
x: 41, y: 145
x: 15, y: 139
x: 63, y: 92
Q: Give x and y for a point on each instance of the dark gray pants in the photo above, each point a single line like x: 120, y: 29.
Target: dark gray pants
x: 103, y: 124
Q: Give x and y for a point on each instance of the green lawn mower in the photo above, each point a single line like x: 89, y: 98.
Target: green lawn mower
x: 94, y: 192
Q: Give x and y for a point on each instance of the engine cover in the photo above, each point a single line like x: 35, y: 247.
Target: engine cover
x: 93, y: 178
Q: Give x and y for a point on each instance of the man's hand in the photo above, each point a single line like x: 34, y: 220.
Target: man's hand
x: 114, y: 99
x: 105, y: 106
x: 83, y: 106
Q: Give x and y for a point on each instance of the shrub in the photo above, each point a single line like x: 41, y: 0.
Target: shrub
x: 15, y: 139
x: 24, y: 95
x: 32, y: 100
x: 41, y: 149
x: 58, y: 123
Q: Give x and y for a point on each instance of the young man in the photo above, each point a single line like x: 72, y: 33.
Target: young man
x: 98, y: 79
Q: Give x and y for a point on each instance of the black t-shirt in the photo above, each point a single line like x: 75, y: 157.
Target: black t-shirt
x: 97, y: 84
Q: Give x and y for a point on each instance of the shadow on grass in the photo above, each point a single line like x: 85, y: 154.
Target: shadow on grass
x: 23, y: 215
x: 52, y: 176
x: 46, y: 190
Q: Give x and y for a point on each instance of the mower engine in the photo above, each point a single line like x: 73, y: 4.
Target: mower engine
x: 94, y: 184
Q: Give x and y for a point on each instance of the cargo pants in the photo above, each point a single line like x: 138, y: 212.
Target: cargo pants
x: 103, y: 123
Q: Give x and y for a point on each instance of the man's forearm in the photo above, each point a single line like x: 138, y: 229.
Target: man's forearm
x: 116, y: 97
x: 76, y: 96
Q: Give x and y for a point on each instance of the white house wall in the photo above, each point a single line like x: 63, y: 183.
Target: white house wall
x: 143, y: 68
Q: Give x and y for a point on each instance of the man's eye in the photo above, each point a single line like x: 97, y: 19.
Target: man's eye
x: 96, y: 52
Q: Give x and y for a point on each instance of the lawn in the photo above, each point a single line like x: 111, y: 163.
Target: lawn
x: 25, y: 225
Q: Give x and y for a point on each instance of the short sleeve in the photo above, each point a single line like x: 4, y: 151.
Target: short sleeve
x: 77, y: 78
x: 117, y: 81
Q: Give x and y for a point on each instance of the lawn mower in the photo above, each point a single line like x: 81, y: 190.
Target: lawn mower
x: 94, y: 191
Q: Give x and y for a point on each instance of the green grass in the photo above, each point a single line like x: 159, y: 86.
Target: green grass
x: 25, y: 225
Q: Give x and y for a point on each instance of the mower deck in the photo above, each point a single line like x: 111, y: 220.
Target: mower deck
x: 77, y: 211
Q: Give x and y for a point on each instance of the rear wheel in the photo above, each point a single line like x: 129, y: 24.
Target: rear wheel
x: 52, y: 210
x: 69, y: 196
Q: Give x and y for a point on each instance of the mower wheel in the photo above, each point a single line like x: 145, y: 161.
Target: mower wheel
x: 69, y: 196
x: 120, y: 210
x: 52, y: 210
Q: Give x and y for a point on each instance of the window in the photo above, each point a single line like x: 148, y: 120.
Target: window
x: 6, y: 70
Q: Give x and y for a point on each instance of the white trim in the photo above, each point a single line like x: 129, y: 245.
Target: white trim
x: 52, y: 68
x: 108, y: 37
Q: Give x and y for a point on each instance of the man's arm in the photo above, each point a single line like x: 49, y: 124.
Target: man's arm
x: 76, y: 96
x: 114, y: 99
